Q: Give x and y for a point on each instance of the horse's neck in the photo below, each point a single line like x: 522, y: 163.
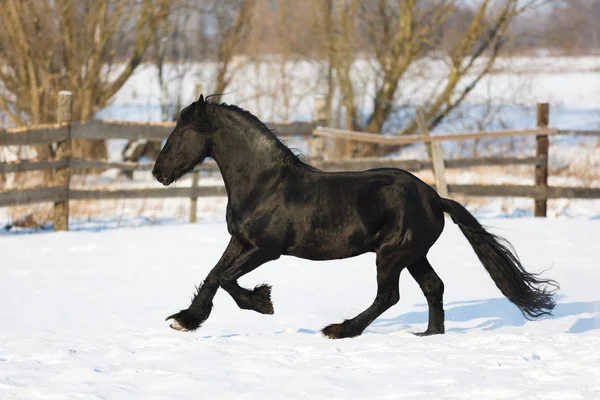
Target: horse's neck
x: 243, y: 156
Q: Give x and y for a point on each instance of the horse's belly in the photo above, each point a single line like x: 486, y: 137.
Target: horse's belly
x: 330, y: 248
x: 318, y: 255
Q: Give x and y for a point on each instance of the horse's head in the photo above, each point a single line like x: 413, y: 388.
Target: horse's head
x: 187, y: 146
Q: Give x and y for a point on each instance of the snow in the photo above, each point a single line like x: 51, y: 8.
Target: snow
x: 83, y: 317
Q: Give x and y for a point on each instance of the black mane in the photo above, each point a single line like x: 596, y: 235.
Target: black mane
x: 287, y: 155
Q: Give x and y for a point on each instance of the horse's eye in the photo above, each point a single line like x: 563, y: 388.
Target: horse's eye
x: 180, y: 133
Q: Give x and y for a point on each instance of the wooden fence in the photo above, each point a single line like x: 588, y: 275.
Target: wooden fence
x: 540, y: 191
x: 64, y: 131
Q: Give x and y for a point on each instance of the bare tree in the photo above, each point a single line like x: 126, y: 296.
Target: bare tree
x: 399, y: 34
x: 572, y: 27
x: 225, y: 25
x: 169, y: 48
x: 70, y: 45
x: 484, y: 36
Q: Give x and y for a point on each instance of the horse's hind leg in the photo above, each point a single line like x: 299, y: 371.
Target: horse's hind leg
x: 433, y: 289
x: 388, y: 294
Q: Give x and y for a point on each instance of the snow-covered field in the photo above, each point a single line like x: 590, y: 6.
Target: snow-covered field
x: 83, y: 317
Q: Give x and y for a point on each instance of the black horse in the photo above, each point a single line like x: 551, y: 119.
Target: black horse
x: 279, y: 205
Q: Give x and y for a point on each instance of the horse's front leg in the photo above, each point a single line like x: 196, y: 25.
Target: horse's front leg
x: 192, y: 317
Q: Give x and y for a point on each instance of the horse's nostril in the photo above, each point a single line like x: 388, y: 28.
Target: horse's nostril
x: 160, y: 177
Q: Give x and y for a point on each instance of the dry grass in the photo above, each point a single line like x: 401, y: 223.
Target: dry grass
x: 586, y: 169
x: 40, y: 215
x: 113, y: 212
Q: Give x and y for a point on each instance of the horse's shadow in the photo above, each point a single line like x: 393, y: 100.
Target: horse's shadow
x: 497, y: 313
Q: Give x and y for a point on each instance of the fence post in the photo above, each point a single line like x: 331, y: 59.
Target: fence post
x: 63, y: 151
x: 194, y: 199
x: 436, y: 155
x: 317, y: 144
x: 541, y: 152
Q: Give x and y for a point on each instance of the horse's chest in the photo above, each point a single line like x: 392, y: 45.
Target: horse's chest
x: 235, y: 224
x: 254, y: 228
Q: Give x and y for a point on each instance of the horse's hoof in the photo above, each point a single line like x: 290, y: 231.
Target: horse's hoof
x: 262, y: 300
x: 339, y: 331
x: 183, y: 321
x: 178, y: 327
x: 428, y: 333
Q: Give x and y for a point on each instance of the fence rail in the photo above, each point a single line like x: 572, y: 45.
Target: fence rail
x: 532, y: 192
x: 412, y: 139
x: 62, y: 133
x: 32, y: 135
x: 31, y: 196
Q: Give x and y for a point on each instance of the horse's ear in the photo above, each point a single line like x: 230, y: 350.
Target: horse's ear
x: 200, y: 104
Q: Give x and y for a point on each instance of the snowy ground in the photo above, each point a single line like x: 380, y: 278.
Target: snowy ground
x: 83, y: 317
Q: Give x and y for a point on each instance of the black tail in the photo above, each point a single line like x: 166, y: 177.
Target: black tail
x: 527, y: 291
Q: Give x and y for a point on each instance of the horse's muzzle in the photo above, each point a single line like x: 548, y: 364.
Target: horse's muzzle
x: 161, y: 177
